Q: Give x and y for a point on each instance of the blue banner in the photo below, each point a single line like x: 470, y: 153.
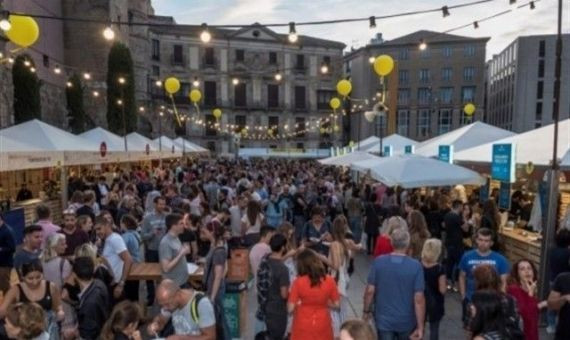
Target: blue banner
x: 388, y: 151
x: 409, y: 149
x: 446, y: 153
x: 503, y: 166
x: 505, y: 196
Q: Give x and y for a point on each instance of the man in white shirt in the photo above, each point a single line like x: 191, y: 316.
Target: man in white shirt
x: 116, y: 254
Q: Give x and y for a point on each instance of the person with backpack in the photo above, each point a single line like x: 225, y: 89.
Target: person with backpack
x: 183, y: 312
x: 273, y: 290
x: 133, y: 241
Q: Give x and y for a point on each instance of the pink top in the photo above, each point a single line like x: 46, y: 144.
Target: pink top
x: 48, y: 228
x: 256, y: 254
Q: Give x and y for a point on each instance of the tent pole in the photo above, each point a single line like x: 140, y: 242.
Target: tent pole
x: 63, y: 185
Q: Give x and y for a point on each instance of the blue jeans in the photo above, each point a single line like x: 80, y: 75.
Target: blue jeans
x: 220, y: 314
x: 355, y: 223
x: 434, y: 330
x: 390, y: 335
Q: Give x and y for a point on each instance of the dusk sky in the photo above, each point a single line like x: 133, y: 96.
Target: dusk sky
x: 502, y: 30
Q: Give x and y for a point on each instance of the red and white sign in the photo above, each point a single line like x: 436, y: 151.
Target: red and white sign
x: 103, y: 149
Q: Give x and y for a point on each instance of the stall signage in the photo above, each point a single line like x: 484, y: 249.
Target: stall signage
x: 503, y: 166
x: 409, y: 149
x: 446, y: 153
x: 484, y: 191
x: 147, y: 149
x: 388, y: 151
x: 103, y: 149
x: 505, y: 196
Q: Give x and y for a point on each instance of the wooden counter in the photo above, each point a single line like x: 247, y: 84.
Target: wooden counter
x: 30, y: 209
x: 519, y: 246
x: 151, y: 271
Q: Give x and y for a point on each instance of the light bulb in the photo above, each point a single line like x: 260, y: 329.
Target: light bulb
x: 205, y: 36
x: 324, y: 69
x: 371, y: 59
x: 293, y: 37
x: 11, y: 60
x: 33, y: 69
x: 119, y: 102
x: 87, y: 76
x: 57, y: 70
x: 121, y: 80
x: 235, y: 81
x: 158, y: 83
x: 141, y: 109
x: 5, y: 25
x: 108, y: 34
x: 278, y: 76
x: 422, y: 45
x: 27, y: 63
x: 95, y: 93
x: 69, y: 84
x: 196, y: 82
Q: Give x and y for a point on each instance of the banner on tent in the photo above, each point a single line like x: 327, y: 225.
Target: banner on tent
x: 446, y: 153
x: 409, y: 149
x: 503, y: 163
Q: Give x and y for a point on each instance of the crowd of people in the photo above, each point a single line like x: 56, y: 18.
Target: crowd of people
x: 303, y: 224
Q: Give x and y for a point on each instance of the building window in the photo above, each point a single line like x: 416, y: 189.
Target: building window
x: 210, y: 128
x: 465, y: 119
x: 447, y: 51
x: 240, y: 122
x: 323, y: 99
x: 46, y: 61
x: 300, y: 64
x: 272, y: 58
x: 446, y: 95
x: 424, y: 75
x: 300, y: 127
x: 300, y: 98
x: 469, y: 51
x: 272, y: 96
x: 156, y: 71
x: 468, y: 73
x: 423, y: 123
x: 424, y: 54
x: 273, y: 123
x: 240, y: 55
x: 155, y: 49
x: 541, y: 68
x: 240, y: 99
x: 540, y: 90
x: 467, y: 94
x: 327, y: 60
x: 403, y: 77
x: 178, y: 58
x: 541, y: 49
x: 209, y: 56
x: 403, y: 96
x: 444, y: 124
x: 210, y: 98
x: 538, y: 115
x: 424, y: 96
x: 446, y: 74
x: 403, y: 122
x: 403, y: 54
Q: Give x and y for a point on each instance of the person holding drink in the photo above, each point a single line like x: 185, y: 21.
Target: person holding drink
x: 171, y: 252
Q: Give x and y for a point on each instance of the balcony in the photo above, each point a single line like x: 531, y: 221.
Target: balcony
x: 300, y: 69
x: 209, y: 63
x: 180, y: 61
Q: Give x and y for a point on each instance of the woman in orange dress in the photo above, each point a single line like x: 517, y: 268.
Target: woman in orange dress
x: 311, y: 296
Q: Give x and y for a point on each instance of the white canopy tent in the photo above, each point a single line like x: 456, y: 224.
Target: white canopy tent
x: 98, y: 135
x: 533, y: 146
x: 138, y: 142
x: 46, y: 138
x: 398, y: 143
x: 413, y: 171
x: 17, y: 155
x: 348, y: 159
x: 166, y: 144
x: 188, y: 146
x: 466, y: 137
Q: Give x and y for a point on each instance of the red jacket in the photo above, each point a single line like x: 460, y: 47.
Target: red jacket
x: 383, y: 246
x: 528, y: 310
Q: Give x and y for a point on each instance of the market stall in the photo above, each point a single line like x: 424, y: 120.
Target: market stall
x: 395, y: 142
x: 348, y: 159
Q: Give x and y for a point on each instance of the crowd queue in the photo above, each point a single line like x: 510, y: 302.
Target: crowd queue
x: 303, y: 224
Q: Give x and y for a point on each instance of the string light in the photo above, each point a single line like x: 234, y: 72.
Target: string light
x: 5, y: 24
x: 141, y: 109
x: 108, y: 33
x: 96, y: 94
x: 33, y: 69
x: 161, y: 113
x: 119, y: 102
x: 372, y: 22
x: 27, y: 63
x: 11, y: 60
x: 121, y: 80
x: 86, y: 75
x: 235, y: 81
x: 158, y: 83
x: 324, y: 68
x: 69, y: 84
x: 205, y: 36
x: 293, y: 37
x: 423, y: 45
x: 371, y: 59
x: 445, y: 11
x: 196, y: 82
x: 278, y: 76
x: 1, y: 55
x: 57, y: 70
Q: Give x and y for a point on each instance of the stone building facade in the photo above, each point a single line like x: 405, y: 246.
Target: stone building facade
x: 253, y: 55
x: 429, y: 87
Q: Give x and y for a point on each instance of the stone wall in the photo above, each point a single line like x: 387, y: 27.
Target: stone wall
x: 53, y: 103
x: 6, y: 97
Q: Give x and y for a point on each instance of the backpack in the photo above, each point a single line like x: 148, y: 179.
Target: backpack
x: 195, y: 314
x: 264, y: 280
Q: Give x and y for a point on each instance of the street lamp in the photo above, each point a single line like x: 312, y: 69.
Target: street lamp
x: 122, y: 81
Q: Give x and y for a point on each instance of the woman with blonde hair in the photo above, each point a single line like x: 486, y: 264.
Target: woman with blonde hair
x: 123, y: 323
x: 26, y: 321
x: 418, y: 232
x: 435, y: 285
x: 56, y: 268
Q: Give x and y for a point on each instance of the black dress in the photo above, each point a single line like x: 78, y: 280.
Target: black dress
x: 372, y: 225
x: 434, y: 299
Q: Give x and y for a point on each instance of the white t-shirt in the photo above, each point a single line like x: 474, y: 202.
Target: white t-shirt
x: 183, y: 322
x: 115, y: 245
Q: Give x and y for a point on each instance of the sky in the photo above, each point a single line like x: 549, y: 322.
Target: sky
x: 502, y: 30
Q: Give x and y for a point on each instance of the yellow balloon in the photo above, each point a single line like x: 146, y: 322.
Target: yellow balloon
x: 172, y: 85
x: 469, y: 109
x: 24, y: 31
x: 335, y: 103
x: 383, y: 65
x: 344, y: 87
x: 195, y: 96
x: 217, y: 113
